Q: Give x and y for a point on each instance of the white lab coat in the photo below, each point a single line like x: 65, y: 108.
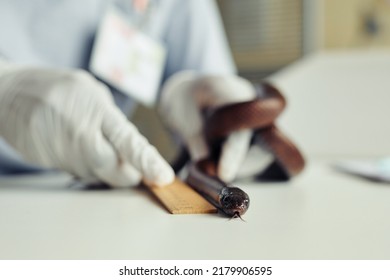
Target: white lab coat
x: 60, y: 34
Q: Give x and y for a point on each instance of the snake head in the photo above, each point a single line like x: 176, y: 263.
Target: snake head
x: 234, y: 201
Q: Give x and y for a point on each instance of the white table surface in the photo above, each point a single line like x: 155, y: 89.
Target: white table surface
x: 322, y: 214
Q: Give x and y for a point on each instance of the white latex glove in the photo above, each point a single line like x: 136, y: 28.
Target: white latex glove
x: 68, y: 120
x: 183, y: 97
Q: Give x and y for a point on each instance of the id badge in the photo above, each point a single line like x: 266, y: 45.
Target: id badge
x: 127, y: 59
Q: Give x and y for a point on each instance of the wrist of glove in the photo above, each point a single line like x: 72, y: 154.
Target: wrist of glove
x: 67, y: 120
x: 184, y: 98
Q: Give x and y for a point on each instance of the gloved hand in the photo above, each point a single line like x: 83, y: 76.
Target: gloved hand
x: 183, y: 97
x: 68, y: 120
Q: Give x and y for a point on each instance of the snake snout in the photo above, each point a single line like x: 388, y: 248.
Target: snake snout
x: 234, y: 202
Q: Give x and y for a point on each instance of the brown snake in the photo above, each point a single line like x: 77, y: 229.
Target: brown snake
x: 259, y: 115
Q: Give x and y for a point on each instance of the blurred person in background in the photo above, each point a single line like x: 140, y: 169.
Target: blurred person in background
x: 55, y: 115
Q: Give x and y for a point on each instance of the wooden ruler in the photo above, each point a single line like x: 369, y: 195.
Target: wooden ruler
x: 179, y: 198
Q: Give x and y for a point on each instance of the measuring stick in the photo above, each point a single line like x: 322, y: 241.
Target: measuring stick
x: 179, y: 198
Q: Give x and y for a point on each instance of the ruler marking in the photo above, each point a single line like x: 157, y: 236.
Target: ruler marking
x: 179, y: 198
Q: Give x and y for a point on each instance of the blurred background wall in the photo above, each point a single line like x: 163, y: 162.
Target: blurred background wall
x: 264, y: 35
x: 267, y: 35
x: 355, y: 24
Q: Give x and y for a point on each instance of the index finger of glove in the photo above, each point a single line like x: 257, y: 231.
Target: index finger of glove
x: 132, y: 147
x: 102, y: 160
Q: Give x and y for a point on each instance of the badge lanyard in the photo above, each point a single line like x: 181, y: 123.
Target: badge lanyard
x: 142, y: 11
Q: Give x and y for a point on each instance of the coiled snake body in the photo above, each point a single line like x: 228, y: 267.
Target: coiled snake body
x: 259, y: 115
